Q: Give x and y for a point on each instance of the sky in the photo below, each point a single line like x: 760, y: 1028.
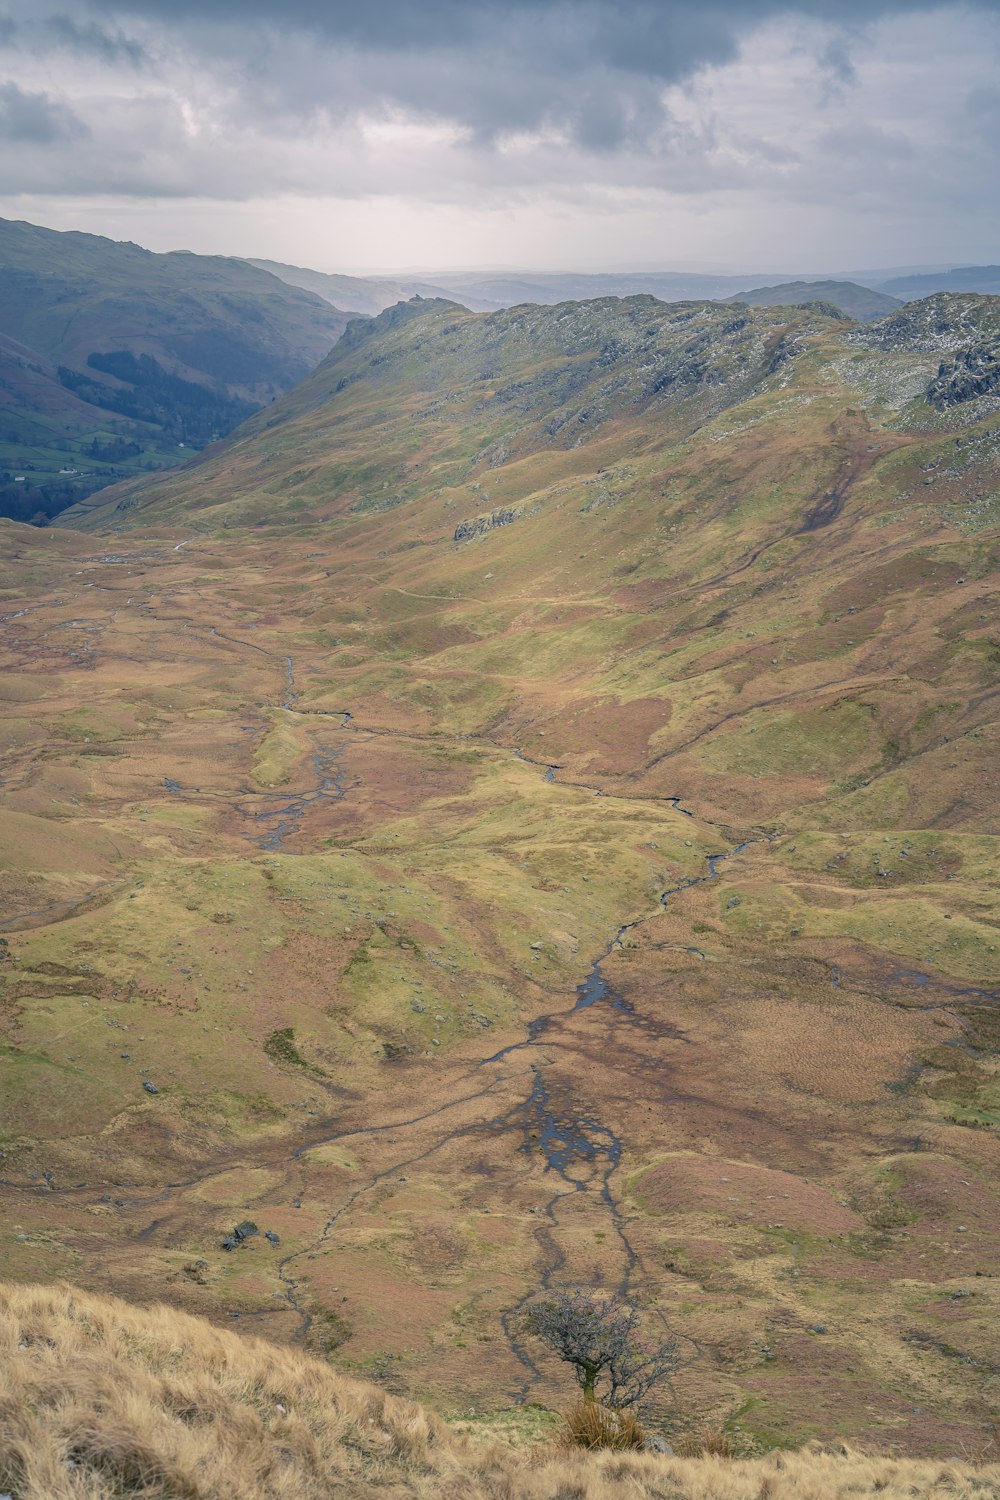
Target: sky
x: 789, y: 136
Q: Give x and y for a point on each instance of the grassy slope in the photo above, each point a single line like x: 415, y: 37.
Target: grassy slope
x: 204, y: 317
x: 739, y: 587
x: 100, y: 1399
x: 220, y: 325
x: 44, y: 429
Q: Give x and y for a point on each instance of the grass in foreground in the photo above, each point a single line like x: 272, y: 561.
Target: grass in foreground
x: 100, y: 1400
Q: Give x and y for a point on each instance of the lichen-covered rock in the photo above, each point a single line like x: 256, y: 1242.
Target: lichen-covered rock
x: 489, y: 521
x: 973, y: 372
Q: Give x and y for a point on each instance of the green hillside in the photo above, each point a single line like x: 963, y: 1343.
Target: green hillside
x: 167, y: 352
x: 523, y: 811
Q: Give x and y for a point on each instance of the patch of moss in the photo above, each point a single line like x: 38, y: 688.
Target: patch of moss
x: 280, y: 1047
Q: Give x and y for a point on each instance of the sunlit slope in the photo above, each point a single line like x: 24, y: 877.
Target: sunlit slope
x: 432, y: 406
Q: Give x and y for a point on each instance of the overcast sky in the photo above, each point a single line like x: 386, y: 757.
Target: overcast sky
x: 544, y: 134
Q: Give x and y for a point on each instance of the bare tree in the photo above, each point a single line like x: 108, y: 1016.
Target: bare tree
x: 600, y: 1337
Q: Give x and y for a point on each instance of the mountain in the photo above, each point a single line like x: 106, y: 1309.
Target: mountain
x: 367, y: 295
x: 509, y: 289
x: 486, y: 292
x: 167, y: 352
x: 490, y: 391
x: 856, y: 301
x: 522, y: 811
x: 145, y: 1400
x: 982, y: 279
x: 53, y: 445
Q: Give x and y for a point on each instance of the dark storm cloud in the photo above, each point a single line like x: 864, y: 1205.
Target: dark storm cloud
x: 593, y: 69
x: 34, y: 118
x: 664, y: 39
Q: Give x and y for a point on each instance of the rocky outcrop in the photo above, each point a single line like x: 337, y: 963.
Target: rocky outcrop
x: 480, y: 525
x: 973, y: 372
x: 944, y: 322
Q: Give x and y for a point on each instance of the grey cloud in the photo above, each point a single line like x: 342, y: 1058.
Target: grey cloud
x: 91, y: 39
x: 236, y: 102
x: 593, y: 70
x: 497, y: 66
x: 35, y: 118
x: 837, y: 62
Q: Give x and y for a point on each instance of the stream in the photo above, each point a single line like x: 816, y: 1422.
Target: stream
x: 579, y: 1151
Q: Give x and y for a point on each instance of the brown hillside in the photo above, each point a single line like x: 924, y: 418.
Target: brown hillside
x: 525, y: 811
x: 99, y: 1400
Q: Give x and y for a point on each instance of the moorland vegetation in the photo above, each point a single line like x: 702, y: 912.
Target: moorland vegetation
x: 522, y: 813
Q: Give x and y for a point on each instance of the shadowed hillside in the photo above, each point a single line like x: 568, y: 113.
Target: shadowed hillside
x: 165, y: 353
x: 524, y: 811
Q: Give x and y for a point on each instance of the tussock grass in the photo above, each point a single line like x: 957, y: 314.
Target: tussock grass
x: 590, y: 1425
x: 100, y: 1400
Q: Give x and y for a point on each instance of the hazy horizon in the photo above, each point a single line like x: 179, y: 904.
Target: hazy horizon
x: 745, y: 137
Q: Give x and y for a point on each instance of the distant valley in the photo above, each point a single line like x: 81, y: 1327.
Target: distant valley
x: 115, y: 361
x: 866, y: 296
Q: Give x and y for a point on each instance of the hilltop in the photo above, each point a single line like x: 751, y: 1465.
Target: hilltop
x: 482, y: 291
x: 856, y: 301
x: 157, y: 355
x: 103, y: 1399
x: 524, y: 810
x: 368, y: 295
x: 474, y: 395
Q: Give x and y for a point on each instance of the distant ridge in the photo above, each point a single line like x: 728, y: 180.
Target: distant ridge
x: 490, y: 291
x: 122, y: 361
x: 369, y: 295
x: 856, y: 301
x: 982, y: 279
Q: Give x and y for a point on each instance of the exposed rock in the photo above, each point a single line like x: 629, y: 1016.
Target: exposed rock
x: 973, y: 372
x: 149, y: 1087
x: 480, y: 525
x: 240, y: 1235
x: 656, y: 1444
x: 943, y: 322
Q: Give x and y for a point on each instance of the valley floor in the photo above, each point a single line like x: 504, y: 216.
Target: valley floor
x: 453, y: 1017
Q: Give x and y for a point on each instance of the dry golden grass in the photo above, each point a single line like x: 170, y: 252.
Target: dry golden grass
x: 100, y: 1400
x: 590, y: 1425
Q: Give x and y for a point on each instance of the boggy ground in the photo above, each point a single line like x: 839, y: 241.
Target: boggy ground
x: 356, y: 961
x: 488, y: 914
